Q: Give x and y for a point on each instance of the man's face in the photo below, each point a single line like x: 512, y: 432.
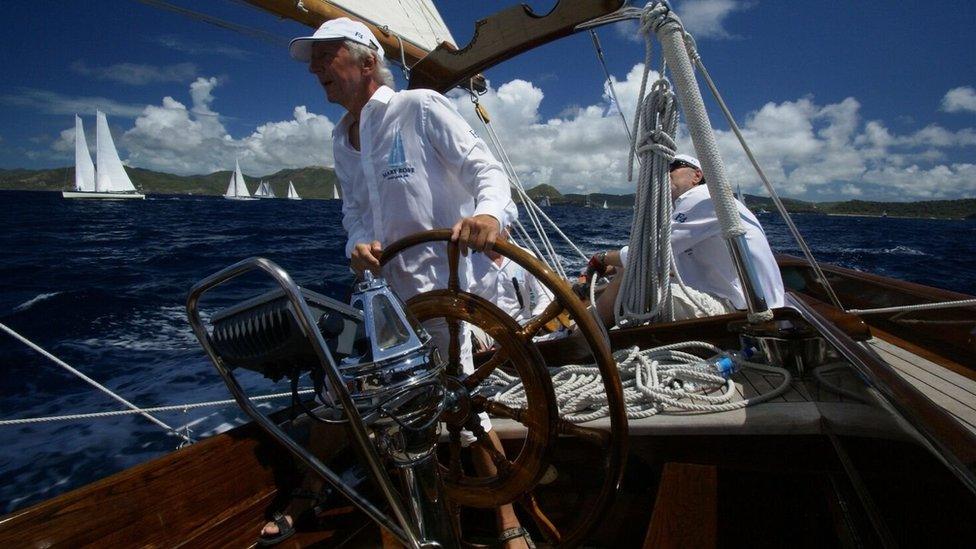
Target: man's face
x: 683, y: 178
x: 337, y: 71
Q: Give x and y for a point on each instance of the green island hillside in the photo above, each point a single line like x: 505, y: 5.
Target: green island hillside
x: 318, y: 183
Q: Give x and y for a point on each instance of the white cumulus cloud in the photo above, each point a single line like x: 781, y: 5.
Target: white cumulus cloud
x: 961, y: 99
x: 173, y: 138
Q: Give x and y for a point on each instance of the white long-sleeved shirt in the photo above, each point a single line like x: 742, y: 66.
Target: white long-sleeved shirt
x: 420, y: 166
x: 702, y: 255
x: 514, y: 290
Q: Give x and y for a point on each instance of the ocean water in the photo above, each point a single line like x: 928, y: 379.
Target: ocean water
x: 103, y: 286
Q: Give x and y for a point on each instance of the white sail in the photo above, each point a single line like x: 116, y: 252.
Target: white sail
x: 292, y: 193
x: 415, y: 21
x: 232, y: 186
x: 110, y: 175
x: 604, y: 204
x: 335, y: 192
x: 84, y: 168
x: 268, y: 191
x: 240, y: 187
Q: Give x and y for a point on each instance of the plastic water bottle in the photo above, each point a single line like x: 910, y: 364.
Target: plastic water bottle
x: 727, y: 363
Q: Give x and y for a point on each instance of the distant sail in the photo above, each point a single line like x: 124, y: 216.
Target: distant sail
x: 335, y: 192
x: 84, y: 168
x: 604, y: 204
x: 237, y: 188
x: 292, y: 193
x: 110, y: 175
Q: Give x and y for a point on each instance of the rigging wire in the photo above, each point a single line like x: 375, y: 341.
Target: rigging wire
x: 94, y: 383
x: 258, y: 34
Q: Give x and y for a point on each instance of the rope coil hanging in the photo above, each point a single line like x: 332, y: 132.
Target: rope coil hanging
x: 645, y: 293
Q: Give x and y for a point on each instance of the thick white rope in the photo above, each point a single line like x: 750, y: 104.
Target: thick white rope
x: 670, y: 31
x: 692, y: 48
x: 171, y: 408
x: 919, y: 307
x: 645, y: 293
x: 660, y: 380
x: 135, y: 409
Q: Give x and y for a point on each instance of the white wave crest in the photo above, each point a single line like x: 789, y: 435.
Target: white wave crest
x: 31, y: 302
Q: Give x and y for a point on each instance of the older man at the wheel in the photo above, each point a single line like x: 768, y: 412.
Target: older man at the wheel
x: 408, y: 162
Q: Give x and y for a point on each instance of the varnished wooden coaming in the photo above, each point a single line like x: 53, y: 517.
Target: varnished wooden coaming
x: 943, y: 334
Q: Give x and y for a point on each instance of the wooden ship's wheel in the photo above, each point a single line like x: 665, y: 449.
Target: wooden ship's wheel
x: 518, y: 475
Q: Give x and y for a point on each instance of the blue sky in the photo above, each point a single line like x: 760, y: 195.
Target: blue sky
x: 868, y: 99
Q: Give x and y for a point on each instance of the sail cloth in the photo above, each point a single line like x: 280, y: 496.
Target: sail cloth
x: 240, y: 187
x: 110, y: 175
x: 414, y: 21
x: 84, y: 167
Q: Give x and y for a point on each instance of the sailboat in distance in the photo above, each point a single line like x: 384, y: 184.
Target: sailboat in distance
x: 335, y: 192
x: 109, y: 180
x: 237, y: 188
x: 264, y: 191
x: 292, y: 193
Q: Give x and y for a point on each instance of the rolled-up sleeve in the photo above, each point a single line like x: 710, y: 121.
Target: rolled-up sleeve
x: 459, y: 145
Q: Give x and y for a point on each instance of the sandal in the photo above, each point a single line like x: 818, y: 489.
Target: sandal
x: 512, y: 533
x: 285, y: 531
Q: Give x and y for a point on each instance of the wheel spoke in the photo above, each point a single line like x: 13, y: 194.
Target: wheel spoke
x: 545, y: 525
x: 483, y: 371
x: 537, y: 322
x: 454, y: 467
x: 501, y: 463
x: 498, y: 409
x: 454, y: 347
x: 453, y: 254
x: 596, y: 437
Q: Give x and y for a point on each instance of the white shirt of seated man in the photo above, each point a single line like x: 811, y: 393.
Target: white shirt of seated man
x: 513, y: 289
x: 701, y: 253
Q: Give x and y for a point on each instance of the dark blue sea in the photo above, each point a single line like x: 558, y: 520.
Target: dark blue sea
x: 103, y: 286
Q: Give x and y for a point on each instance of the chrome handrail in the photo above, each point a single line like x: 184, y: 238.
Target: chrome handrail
x: 405, y: 532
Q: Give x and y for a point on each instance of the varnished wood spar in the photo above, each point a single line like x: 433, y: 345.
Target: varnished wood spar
x: 503, y: 36
x: 319, y: 12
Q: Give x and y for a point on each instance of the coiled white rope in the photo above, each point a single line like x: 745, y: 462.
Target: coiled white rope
x: 659, y: 380
x: 645, y: 293
x: 171, y: 408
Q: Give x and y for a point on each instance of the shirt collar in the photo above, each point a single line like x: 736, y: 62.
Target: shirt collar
x: 383, y: 94
x: 688, y: 194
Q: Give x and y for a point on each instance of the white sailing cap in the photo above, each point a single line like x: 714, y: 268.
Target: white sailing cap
x: 333, y: 30
x: 688, y: 159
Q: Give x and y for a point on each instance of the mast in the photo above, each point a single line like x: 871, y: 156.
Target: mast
x: 110, y: 175
x: 84, y: 168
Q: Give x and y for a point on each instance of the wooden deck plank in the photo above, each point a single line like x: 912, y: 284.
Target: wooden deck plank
x: 923, y: 376
x: 954, y: 399
x: 948, y: 376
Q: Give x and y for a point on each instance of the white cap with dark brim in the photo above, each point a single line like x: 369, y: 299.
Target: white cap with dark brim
x: 688, y: 159
x: 338, y: 29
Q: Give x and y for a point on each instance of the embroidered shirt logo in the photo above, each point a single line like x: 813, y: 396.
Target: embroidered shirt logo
x: 397, y: 165
x: 681, y: 218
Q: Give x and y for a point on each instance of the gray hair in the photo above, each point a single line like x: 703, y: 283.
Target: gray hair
x: 360, y: 53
